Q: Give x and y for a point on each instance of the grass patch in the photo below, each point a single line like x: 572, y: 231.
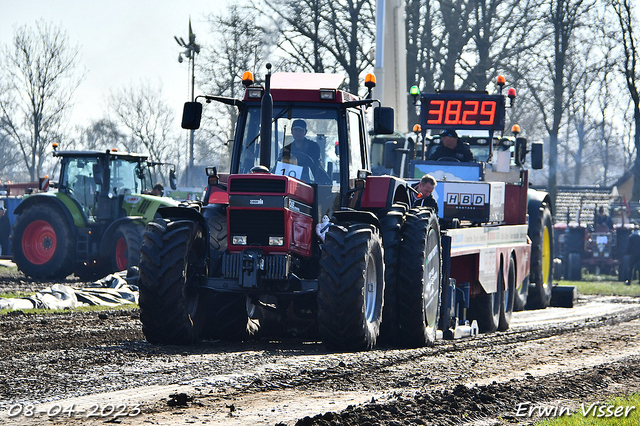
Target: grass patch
x: 8, y: 267
x: 607, y: 285
x: 602, y: 414
x: 17, y: 295
x: 89, y: 308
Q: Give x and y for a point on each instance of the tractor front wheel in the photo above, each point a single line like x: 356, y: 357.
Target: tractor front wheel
x: 351, y: 288
x: 171, y: 262
x: 42, y: 243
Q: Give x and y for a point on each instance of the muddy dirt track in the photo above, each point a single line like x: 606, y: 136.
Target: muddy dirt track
x: 96, y: 368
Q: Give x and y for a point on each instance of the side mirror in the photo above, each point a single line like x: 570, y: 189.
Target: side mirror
x: 390, y: 148
x: 97, y: 174
x: 191, y: 115
x: 383, y: 120
x: 521, y: 151
x: 173, y: 181
x: 536, y: 155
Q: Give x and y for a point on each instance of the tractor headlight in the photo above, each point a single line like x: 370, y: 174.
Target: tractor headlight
x: 276, y: 241
x: 239, y: 240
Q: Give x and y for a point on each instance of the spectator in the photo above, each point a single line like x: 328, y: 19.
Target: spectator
x: 451, y: 148
x: 425, y: 188
x: 5, y: 231
x: 602, y: 222
x: 158, y: 190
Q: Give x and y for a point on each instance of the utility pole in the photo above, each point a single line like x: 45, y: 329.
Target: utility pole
x: 192, y: 49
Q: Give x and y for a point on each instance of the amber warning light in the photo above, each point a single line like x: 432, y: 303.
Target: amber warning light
x: 462, y: 111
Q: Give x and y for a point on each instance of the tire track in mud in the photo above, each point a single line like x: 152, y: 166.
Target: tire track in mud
x: 253, y: 376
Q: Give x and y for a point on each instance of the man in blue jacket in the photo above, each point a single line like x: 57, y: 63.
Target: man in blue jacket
x: 451, y: 148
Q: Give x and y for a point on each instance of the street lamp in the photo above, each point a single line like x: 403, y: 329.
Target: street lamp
x: 192, y: 49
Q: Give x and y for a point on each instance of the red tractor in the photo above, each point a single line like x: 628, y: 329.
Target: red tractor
x: 297, y: 241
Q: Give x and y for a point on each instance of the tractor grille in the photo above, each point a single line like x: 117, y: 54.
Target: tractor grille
x: 258, y: 185
x: 257, y: 225
x: 275, y: 267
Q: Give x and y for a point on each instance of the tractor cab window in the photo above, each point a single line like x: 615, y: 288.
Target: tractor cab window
x: 128, y: 177
x: 355, y: 128
x: 303, y: 143
x: 79, y: 181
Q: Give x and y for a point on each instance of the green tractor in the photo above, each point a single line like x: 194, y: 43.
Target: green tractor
x: 93, y: 223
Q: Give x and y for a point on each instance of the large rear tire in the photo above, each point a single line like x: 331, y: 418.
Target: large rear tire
x: 391, y: 222
x: 419, y: 284
x: 508, y: 296
x: 541, y: 271
x: 126, y: 247
x: 171, y: 260
x: 42, y: 243
x: 351, y: 288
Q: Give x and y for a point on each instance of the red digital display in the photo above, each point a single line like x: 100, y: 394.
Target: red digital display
x: 462, y: 111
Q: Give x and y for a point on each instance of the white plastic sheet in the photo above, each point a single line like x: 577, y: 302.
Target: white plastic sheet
x: 111, y: 290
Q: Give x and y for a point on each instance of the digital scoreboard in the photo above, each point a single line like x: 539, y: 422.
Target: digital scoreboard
x: 472, y: 111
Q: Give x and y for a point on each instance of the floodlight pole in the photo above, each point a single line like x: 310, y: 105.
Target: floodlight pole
x: 192, y: 49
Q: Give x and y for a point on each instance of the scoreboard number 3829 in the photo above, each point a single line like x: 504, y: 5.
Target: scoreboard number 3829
x: 470, y: 112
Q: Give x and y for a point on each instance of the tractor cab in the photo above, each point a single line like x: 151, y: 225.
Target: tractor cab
x: 95, y: 179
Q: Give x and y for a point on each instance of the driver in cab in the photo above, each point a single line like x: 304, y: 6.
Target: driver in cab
x: 301, y: 144
x: 451, y: 148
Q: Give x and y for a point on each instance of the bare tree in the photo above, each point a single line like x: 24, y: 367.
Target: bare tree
x: 552, y: 61
x: 625, y: 13
x: 142, y: 113
x: 39, y: 70
x: 100, y: 134
x: 238, y: 45
x: 338, y: 36
x: 457, y: 44
x: 9, y: 160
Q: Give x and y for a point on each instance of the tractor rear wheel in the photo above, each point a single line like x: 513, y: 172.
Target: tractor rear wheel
x: 391, y: 222
x: 171, y: 260
x: 42, y: 243
x: 541, y: 271
x: 419, y: 284
x: 350, y: 288
x: 126, y: 247
x: 508, y: 295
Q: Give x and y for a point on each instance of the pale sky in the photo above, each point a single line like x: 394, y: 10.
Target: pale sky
x: 122, y: 42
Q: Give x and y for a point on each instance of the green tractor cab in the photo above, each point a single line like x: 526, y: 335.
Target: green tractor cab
x: 92, y: 223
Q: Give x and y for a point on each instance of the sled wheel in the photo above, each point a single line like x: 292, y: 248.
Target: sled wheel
x: 508, y: 296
